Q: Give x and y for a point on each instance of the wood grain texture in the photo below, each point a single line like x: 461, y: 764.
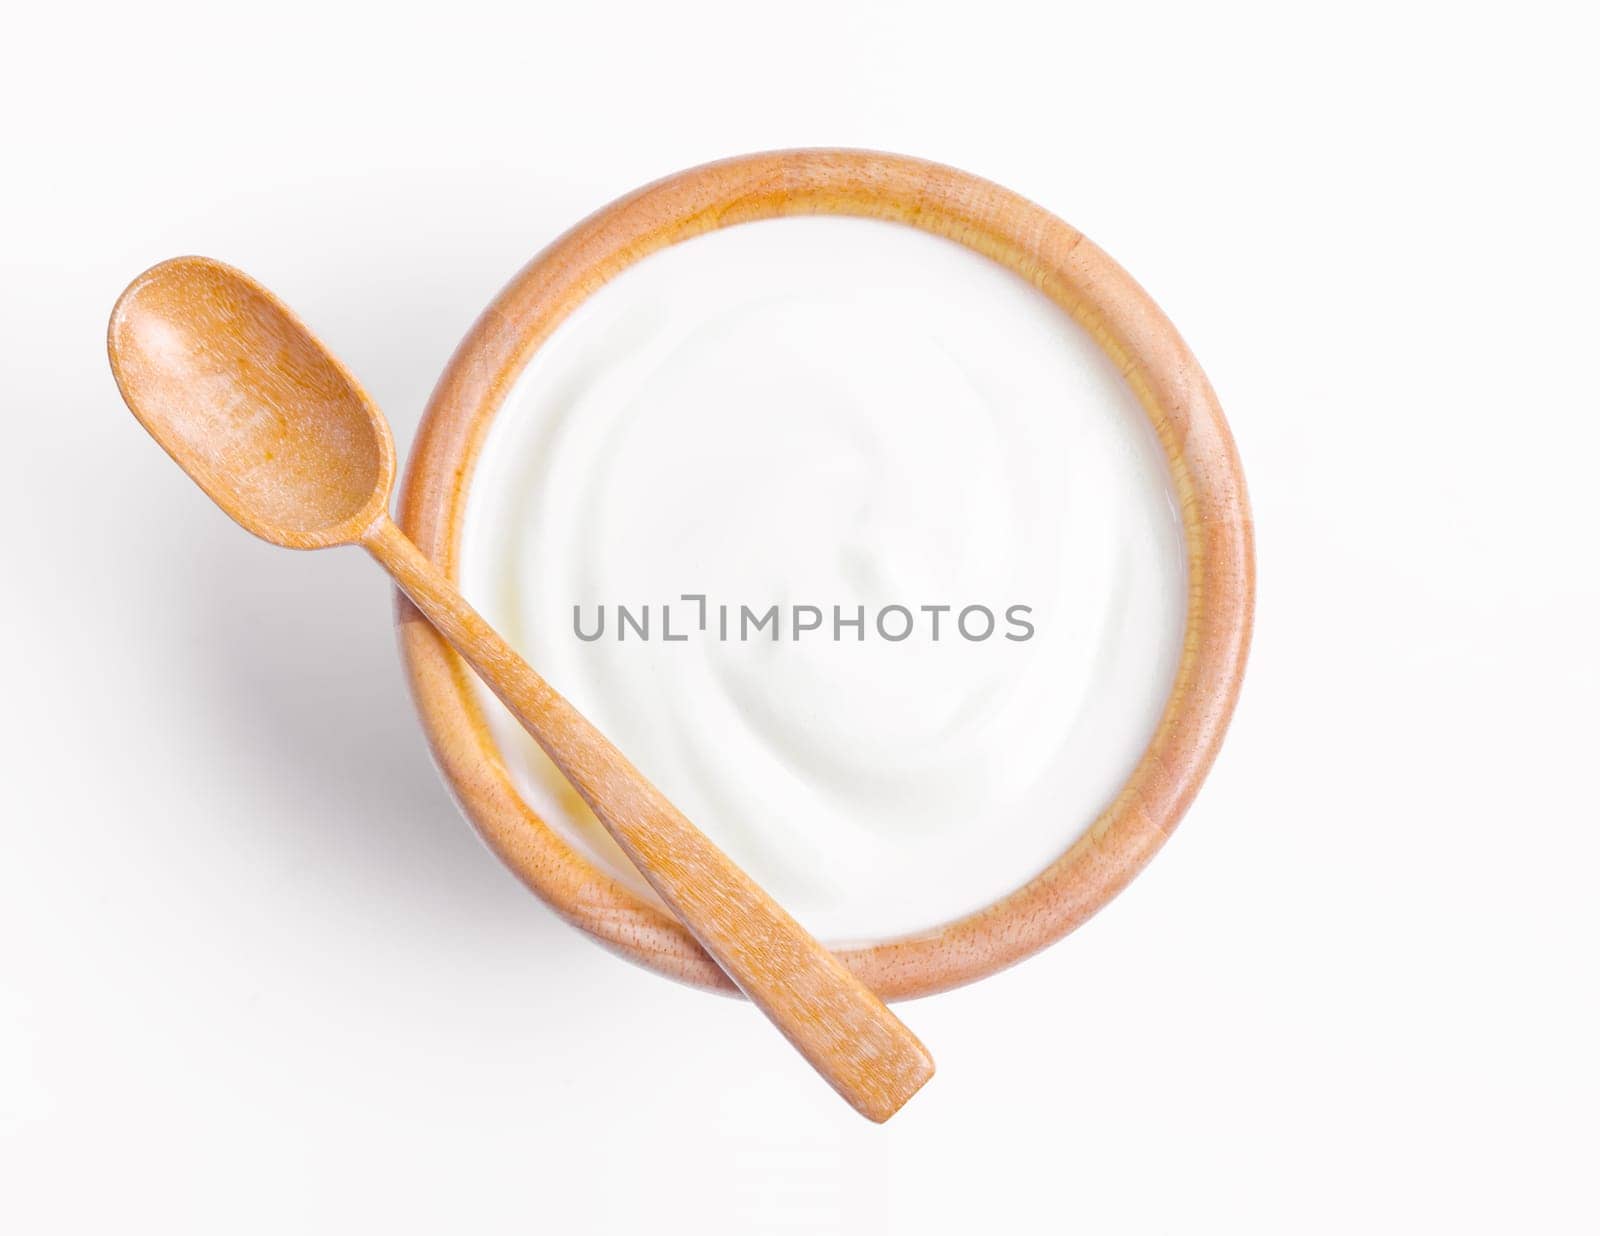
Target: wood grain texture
x: 1064, y: 266
x: 286, y: 441
x: 265, y: 420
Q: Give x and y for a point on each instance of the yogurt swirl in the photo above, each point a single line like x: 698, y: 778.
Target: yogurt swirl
x: 842, y: 416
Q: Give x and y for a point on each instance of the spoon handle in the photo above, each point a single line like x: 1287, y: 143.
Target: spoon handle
x: 864, y: 1051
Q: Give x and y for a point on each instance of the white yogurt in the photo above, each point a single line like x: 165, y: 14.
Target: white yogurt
x: 825, y: 413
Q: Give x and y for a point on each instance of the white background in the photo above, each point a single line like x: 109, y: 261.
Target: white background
x: 257, y: 976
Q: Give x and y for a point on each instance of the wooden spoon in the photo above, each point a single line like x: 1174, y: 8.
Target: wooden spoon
x: 280, y: 435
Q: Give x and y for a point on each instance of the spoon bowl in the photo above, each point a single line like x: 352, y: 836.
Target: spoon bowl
x: 240, y: 393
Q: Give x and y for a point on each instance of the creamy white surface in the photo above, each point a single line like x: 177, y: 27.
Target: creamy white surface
x: 836, y: 412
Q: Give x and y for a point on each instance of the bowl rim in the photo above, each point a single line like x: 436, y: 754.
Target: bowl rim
x: 1203, y: 464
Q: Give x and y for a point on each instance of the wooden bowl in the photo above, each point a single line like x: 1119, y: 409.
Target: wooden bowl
x: 1064, y: 266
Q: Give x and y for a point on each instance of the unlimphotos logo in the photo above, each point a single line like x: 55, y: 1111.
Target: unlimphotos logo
x: 696, y: 617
